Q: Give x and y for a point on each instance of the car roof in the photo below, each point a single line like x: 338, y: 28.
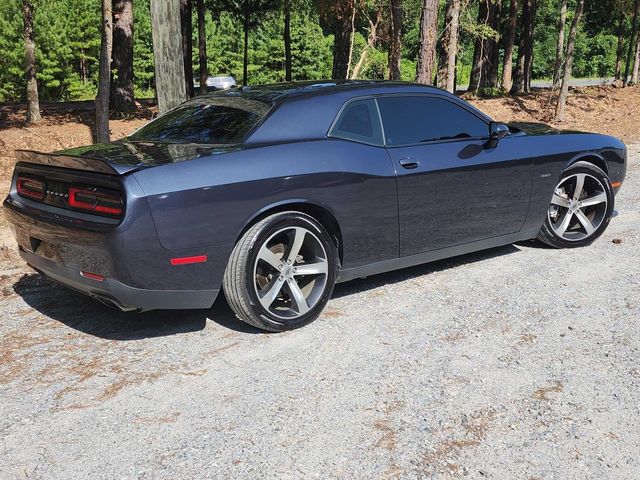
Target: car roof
x: 306, y: 110
x: 279, y: 92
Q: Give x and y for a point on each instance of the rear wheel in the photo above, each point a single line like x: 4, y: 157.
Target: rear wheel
x: 281, y: 272
x: 581, y: 207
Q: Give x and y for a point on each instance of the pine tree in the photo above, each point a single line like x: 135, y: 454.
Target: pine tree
x: 395, y: 42
x: 122, y: 96
x: 509, y: 41
x: 102, y: 100
x: 568, y: 62
x: 427, y: 45
x: 33, y: 103
x: 338, y: 16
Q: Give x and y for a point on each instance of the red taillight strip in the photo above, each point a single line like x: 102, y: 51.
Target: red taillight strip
x: 188, y: 260
x: 25, y: 186
x: 75, y: 203
x: 92, y: 276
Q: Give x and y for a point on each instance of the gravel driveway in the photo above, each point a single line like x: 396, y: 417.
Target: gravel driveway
x: 518, y: 362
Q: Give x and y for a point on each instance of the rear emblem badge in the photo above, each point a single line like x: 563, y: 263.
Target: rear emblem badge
x: 57, y: 194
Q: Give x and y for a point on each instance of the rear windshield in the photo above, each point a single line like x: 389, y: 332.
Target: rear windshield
x: 207, y: 120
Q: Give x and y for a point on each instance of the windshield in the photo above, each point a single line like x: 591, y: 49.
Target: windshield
x: 207, y: 120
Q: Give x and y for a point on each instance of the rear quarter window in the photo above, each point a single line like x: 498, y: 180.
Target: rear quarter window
x: 359, y: 121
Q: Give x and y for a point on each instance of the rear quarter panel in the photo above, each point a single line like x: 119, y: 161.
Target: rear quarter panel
x: 209, y: 201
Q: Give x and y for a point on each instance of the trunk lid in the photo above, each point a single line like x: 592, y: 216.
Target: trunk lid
x: 120, y: 158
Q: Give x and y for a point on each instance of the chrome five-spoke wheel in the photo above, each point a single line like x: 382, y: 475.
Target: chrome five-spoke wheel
x: 578, y: 207
x: 282, y: 271
x: 581, y: 207
x: 290, y: 272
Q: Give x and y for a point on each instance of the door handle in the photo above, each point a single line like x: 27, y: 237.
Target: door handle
x: 409, y: 163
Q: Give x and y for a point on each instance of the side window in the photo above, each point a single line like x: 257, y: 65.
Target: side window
x: 359, y: 121
x: 410, y: 120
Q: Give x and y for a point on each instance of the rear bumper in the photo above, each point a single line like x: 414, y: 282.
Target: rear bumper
x: 117, y: 294
x: 137, y: 271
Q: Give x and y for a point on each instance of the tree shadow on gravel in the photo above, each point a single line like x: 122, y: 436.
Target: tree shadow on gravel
x: 375, y: 281
x: 86, y: 315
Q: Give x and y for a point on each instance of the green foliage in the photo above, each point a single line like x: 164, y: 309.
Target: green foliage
x: 311, y: 49
x: 595, y: 56
x: 12, y: 80
x: 68, y: 59
x: 596, y: 42
x: 143, y: 66
x: 407, y: 70
x: 67, y: 34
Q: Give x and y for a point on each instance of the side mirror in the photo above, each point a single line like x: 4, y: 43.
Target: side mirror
x: 497, y: 131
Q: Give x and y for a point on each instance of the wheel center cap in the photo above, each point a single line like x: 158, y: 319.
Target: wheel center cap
x: 287, y: 271
x: 573, y: 205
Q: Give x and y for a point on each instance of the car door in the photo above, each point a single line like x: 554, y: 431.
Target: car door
x: 454, y: 186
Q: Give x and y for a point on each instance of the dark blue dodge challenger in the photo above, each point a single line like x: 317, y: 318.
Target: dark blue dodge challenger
x: 275, y: 193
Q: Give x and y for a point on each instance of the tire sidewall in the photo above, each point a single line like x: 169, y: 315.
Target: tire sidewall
x: 279, y: 222
x: 585, y: 167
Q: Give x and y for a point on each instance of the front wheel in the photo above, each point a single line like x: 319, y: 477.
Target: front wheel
x: 281, y: 272
x: 581, y: 207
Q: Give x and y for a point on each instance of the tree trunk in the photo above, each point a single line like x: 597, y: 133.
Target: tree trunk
x: 343, y: 39
x: 528, y: 54
x: 122, y: 97
x: 636, y: 64
x: 520, y: 74
x: 33, y: 103
x: 166, y: 33
x: 479, y: 54
x: 187, y: 44
x: 427, y: 46
x: 568, y: 63
x: 287, y: 41
x: 448, y: 47
x: 371, y: 41
x: 104, y: 78
x: 562, y: 20
x: 245, y: 57
x: 509, y: 41
x: 632, y: 43
x: 202, y: 47
x: 492, y: 51
x: 352, y: 39
x: 620, y: 50
x: 395, y: 43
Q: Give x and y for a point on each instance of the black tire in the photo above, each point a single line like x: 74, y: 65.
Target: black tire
x: 548, y: 233
x: 239, y: 283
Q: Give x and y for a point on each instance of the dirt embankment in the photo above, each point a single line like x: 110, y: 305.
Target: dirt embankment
x: 602, y: 109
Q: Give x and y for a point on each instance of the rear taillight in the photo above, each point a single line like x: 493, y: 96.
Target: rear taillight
x: 31, y: 187
x: 96, y: 201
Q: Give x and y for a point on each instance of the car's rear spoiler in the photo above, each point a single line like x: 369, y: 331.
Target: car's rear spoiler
x: 90, y: 164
